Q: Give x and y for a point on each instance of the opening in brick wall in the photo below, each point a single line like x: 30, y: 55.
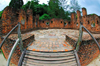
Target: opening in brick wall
x: 65, y: 23
x: 47, y: 23
x: 51, y: 21
x: 88, y: 22
x: 76, y: 24
x: 42, y: 21
x: 26, y: 18
x: 61, y: 21
x: 68, y: 22
x: 17, y: 15
x: 23, y: 21
x: 36, y: 23
x: 97, y: 22
x: 93, y: 24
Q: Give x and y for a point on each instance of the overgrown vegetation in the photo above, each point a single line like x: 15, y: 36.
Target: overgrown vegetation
x: 54, y: 8
x: 1, y: 14
x: 16, y: 4
x: 44, y: 16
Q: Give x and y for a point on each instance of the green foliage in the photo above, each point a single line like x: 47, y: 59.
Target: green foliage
x: 91, y: 14
x: 1, y: 14
x: 54, y: 7
x: 41, y: 9
x: 44, y: 16
x: 53, y: 10
x: 31, y: 5
x: 76, y: 16
x: 2, y: 53
x: 26, y: 6
x: 16, y: 4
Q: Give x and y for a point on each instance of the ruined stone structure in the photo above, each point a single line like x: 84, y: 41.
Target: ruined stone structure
x: 28, y: 21
x: 91, y: 22
x: 10, y: 18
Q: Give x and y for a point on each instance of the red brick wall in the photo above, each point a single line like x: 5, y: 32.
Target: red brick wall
x: 10, y: 18
x: 87, y: 21
x: 84, y: 11
x: 54, y: 23
x: 30, y: 19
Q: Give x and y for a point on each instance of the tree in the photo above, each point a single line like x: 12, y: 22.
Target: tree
x: 74, y: 6
x: 1, y: 14
x: 54, y: 8
x: 44, y: 16
x: 61, y: 13
x: 41, y: 9
x: 36, y: 8
x: 16, y: 4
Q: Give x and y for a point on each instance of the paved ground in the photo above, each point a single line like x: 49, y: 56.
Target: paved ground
x: 50, y: 40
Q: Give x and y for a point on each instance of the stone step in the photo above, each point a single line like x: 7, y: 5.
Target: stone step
x: 37, y: 58
x: 49, y: 58
x: 73, y: 63
x: 50, y: 54
x: 32, y: 61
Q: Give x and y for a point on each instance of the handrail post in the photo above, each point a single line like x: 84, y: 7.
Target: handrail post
x: 19, y: 36
x: 80, y: 37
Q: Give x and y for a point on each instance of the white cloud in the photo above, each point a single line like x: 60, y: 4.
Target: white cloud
x: 43, y: 1
x: 3, y: 4
x: 40, y: 1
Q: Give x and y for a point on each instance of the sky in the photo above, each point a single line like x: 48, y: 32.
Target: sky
x: 92, y: 6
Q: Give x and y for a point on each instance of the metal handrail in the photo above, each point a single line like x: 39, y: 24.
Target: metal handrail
x: 16, y: 43
x: 12, y: 51
x: 8, y: 35
x: 80, y: 37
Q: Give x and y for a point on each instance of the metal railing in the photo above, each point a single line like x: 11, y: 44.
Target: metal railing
x: 18, y: 42
x: 80, y: 37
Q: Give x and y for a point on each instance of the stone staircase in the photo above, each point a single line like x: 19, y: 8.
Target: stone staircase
x: 37, y: 58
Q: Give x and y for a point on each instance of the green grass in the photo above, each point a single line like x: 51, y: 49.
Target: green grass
x: 2, y: 53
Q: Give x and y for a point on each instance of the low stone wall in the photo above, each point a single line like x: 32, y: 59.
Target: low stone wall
x: 71, y: 41
x: 8, y: 44
x: 88, y: 50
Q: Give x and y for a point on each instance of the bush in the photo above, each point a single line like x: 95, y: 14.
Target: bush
x: 44, y: 16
